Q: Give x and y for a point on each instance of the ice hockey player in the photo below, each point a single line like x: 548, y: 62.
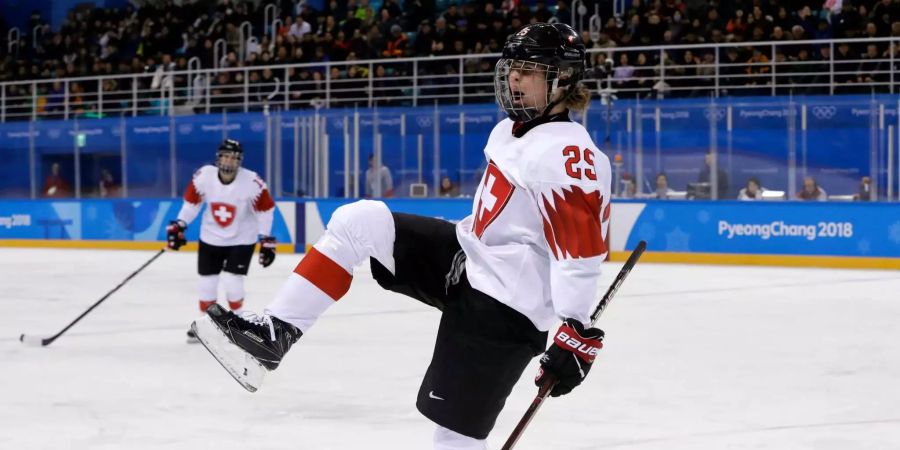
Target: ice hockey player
x: 238, y: 215
x: 527, y: 257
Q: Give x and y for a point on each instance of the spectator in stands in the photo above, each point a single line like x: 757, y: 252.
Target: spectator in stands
x: 811, y: 191
x: 758, y: 65
x: 865, y: 190
x: 379, y: 183
x: 270, y: 87
x: 55, y: 186
x: 732, y: 71
x: 623, y: 73
x: 752, y: 191
x: 822, y: 71
x: 95, y: 42
x: 448, y: 188
x: 424, y: 39
x: 663, y: 191
x: 721, y: 176
x: 384, y: 87
x: 629, y: 187
x: 108, y: 186
x: 870, y: 68
x: 396, y: 44
x: 844, y: 66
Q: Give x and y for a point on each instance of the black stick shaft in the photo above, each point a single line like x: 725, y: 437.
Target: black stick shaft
x: 620, y: 278
x: 49, y: 340
x: 547, y: 387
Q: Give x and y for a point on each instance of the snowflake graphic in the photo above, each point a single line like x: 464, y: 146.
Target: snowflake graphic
x: 647, y: 232
x: 659, y: 215
x: 678, y: 241
x: 703, y: 216
x: 894, y: 233
x: 864, y: 246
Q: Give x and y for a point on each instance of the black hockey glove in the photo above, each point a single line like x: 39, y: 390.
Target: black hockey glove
x: 175, y: 234
x: 569, y: 358
x: 266, y: 250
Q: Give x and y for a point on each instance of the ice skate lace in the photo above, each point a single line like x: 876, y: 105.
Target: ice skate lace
x: 256, y: 319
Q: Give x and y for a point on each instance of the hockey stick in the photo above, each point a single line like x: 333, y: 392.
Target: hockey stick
x: 38, y: 341
x: 547, y: 386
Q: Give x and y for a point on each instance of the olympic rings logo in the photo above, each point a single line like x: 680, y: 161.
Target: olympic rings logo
x: 423, y: 121
x: 824, y: 112
x: 719, y: 113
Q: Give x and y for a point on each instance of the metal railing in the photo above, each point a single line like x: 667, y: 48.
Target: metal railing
x: 657, y: 72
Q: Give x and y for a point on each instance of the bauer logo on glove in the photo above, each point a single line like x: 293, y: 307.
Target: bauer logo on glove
x: 585, y: 349
x: 568, y: 360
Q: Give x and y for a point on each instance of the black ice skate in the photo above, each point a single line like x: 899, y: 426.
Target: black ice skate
x: 246, y: 346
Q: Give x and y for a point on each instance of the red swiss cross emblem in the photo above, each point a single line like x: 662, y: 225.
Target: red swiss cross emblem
x: 223, y: 213
x: 493, y: 195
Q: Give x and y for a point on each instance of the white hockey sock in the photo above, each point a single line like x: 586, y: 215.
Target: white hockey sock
x: 208, y: 288
x: 355, y: 232
x: 445, y: 439
x: 234, y: 290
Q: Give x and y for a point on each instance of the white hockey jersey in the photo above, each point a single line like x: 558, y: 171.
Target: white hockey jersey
x: 536, y: 235
x: 237, y: 212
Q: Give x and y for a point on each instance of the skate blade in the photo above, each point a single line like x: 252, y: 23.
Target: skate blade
x: 245, y: 369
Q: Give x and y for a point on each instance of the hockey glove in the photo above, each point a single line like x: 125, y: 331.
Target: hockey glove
x: 569, y: 358
x: 266, y: 250
x: 175, y: 234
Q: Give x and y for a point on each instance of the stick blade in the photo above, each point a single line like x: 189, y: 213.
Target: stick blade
x: 34, y: 341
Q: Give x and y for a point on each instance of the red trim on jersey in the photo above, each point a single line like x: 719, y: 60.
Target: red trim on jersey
x: 191, y: 195
x: 572, y: 224
x: 325, y: 274
x: 263, y: 202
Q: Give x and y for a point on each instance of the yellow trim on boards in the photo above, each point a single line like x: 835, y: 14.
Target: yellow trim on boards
x: 840, y: 262
x: 837, y: 262
x: 109, y: 245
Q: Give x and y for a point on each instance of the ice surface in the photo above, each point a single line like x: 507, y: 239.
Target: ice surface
x: 696, y: 357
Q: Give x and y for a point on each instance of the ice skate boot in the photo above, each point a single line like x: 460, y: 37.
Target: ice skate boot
x: 246, y: 346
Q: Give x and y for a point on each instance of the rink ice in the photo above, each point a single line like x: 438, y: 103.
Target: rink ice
x: 696, y: 357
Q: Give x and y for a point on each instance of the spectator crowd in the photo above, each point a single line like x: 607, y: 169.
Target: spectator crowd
x: 164, y: 35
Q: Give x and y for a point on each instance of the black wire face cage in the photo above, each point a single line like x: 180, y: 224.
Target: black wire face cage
x: 514, y: 102
x: 228, y: 170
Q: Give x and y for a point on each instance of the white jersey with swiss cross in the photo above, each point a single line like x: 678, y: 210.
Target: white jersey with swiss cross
x: 237, y: 212
x: 536, y: 235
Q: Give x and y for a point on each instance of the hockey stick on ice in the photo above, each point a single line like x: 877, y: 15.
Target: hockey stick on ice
x: 545, y: 388
x: 42, y: 342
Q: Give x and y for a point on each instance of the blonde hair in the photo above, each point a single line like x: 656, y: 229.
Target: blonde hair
x: 578, y: 99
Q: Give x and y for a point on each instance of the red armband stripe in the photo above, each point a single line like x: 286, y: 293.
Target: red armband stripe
x: 325, y: 274
x: 191, y: 195
x: 264, y: 202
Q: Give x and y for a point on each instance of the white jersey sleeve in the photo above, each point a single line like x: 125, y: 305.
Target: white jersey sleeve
x: 264, y: 208
x: 570, y: 184
x: 193, y: 200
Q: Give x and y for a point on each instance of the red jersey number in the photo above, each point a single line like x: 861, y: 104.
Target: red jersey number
x: 573, y: 163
